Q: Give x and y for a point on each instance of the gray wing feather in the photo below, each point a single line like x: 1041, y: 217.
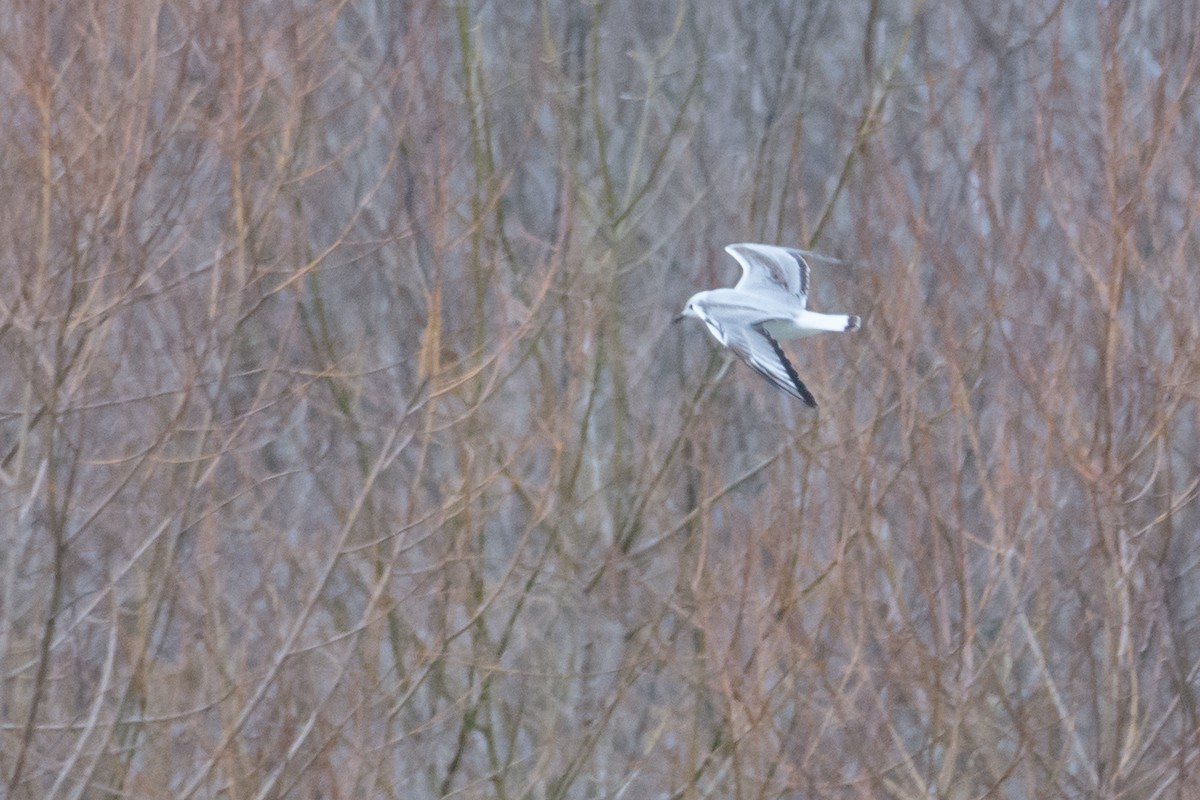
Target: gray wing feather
x: 762, y: 353
x: 770, y: 269
x: 805, y: 272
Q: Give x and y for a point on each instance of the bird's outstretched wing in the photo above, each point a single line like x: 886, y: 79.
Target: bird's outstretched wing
x: 758, y: 348
x: 768, y: 269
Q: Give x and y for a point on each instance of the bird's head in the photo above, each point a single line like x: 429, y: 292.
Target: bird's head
x: 691, y: 309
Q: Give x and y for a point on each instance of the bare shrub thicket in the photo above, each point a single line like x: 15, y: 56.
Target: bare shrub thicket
x: 346, y: 449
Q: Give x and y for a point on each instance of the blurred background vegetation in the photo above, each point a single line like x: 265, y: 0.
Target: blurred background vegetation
x: 346, y: 449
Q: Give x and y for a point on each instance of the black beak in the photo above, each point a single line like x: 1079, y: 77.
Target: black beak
x: 677, y: 319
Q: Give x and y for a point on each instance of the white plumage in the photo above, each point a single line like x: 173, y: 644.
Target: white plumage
x: 768, y: 304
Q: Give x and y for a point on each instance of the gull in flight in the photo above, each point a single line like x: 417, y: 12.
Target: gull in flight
x: 767, y: 304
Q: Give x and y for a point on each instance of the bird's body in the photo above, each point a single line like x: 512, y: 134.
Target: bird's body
x: 768, y: 304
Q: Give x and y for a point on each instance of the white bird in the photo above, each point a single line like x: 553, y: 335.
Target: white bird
x: 767, y: 304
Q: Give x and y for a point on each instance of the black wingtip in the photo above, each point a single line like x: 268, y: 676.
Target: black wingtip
x: 853, y: 322
x: 801, y: 390
x: 804, y: 269
x: 806, y: 396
